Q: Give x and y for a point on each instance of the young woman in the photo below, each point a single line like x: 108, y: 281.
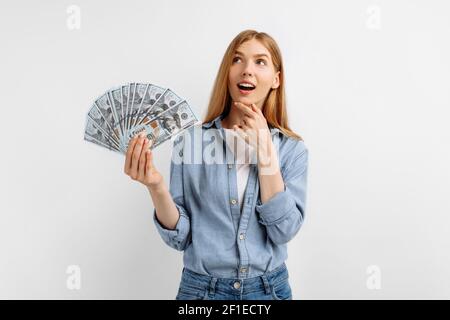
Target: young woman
x: 232, y: 218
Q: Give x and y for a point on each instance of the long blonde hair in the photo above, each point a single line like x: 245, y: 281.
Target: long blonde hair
x: 274, y: 108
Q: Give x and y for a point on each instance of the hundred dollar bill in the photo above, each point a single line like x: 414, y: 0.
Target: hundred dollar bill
x: 168, y: 100
x: 132, y: 88
x: 169, y: 123
x: 152, y: 94
x: 117, y: 101
x: 94, y: 131
x: 98, y: 118
x: 115, y: 111
x: 104, y: 106
x: 140, y: 91
x: 125, y: 94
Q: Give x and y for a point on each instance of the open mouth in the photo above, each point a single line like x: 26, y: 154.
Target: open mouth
x: 246, y: 86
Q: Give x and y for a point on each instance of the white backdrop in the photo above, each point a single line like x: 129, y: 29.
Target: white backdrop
x: 368, y: 86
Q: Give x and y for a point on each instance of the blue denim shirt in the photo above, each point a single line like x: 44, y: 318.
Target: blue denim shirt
x: 217, y: 239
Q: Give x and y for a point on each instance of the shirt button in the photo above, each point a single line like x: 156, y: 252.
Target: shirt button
x: 233, y: 201
x: 243, y: 270
x: 237, y: 285
x: 241, y: 236
x: 230, y: 166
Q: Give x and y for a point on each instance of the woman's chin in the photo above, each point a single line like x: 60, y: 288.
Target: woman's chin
x: 245, y: 100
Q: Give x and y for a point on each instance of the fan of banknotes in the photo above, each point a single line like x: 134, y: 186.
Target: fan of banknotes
x: 125, y: 111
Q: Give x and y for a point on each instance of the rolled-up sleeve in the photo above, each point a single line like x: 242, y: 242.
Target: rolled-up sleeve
x: 176, y: 238
x: 179, y: 237
x: 284, y: 213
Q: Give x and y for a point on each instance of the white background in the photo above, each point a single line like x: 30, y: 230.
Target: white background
x: 368, y: 86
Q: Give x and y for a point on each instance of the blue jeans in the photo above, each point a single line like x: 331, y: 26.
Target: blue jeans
x: 273, y: 285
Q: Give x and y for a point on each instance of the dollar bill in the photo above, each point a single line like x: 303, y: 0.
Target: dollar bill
x: 117, y: 101
x: 137, y: 102
x: 152, y: 94
x: 125, y: 95
x: 166, y: 101
x: 169, y: 123
x: 95, y: 132
x: 104, y: 106
x: 96, y: 116
x: 131, y: 91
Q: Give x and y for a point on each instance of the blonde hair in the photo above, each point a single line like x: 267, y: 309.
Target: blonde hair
x: 274, y: 108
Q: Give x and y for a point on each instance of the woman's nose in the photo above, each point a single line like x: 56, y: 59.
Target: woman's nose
x: 247, y: 70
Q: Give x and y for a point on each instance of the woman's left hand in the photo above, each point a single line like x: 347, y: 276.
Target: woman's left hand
x: 253, y: 127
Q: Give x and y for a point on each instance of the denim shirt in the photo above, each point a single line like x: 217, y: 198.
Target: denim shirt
x: 217, y: 238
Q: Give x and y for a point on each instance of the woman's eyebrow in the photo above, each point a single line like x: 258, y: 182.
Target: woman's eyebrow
x: 256, y: 55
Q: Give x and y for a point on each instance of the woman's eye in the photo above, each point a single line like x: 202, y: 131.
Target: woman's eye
x: 259, y: 61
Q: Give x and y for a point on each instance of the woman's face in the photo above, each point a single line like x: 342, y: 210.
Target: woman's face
x: 252, y: 63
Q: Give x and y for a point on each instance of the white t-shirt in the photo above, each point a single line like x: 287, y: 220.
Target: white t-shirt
x: 242, y: 160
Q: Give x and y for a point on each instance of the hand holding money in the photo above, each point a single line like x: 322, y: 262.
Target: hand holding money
x: 139, y: 162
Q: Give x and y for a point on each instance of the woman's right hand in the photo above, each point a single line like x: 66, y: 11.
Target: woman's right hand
x: 139, y: 162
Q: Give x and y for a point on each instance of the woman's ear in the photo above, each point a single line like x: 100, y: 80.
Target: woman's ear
x: 276, y: 81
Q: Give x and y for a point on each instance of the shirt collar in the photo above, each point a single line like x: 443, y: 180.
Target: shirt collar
x: 216, y: 122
